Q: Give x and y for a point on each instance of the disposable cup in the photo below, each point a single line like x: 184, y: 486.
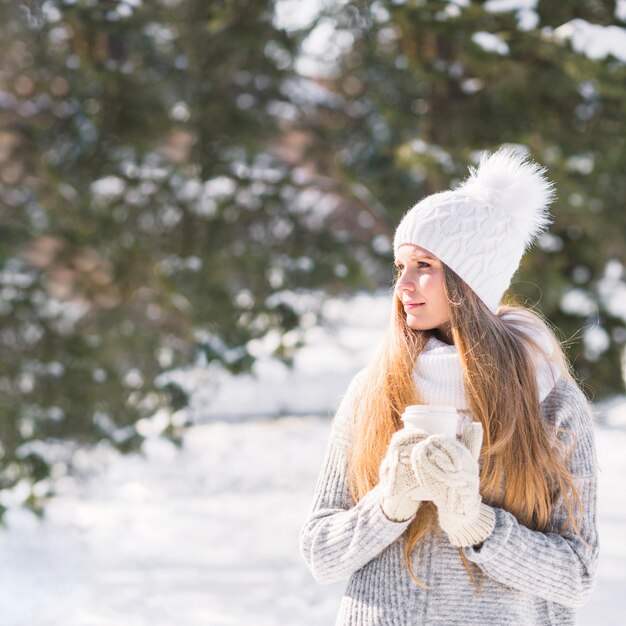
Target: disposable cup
x: 435, y: 420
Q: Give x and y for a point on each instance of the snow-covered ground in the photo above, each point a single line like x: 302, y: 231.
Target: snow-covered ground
x: 208, y: 535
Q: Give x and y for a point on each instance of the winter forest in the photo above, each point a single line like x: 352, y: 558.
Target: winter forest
x: 197, y: 206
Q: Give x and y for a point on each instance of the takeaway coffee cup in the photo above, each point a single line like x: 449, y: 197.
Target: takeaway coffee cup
x: 435, y: 420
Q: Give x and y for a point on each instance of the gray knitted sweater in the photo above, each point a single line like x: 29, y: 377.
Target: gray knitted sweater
x: 530, y: 577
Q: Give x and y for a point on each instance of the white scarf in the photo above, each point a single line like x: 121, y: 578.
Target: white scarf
x: 439, y: 377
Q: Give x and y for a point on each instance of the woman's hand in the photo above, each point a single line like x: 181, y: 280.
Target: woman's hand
x: 448, y: 470
x: 397, y: 479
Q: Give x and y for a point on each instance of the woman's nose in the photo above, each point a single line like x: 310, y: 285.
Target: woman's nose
x: 404, y: 284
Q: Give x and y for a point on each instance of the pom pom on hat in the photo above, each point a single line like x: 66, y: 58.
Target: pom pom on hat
x: 511, y: 182
x: 481, y: 228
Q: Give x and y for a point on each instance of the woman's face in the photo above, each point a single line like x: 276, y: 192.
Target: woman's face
x: 419, y: 287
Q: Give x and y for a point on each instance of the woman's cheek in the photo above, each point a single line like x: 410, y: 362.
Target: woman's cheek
x: 425, y: 283
x: 432, y: 283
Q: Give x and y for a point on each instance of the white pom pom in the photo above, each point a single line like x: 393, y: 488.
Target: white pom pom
x: 511, y: 182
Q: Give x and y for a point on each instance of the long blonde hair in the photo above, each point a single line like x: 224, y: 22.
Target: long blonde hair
x: 523, y: 467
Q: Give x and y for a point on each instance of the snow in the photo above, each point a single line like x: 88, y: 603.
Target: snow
x: 296, y: 14
x: 112, y: 186
x: 322, y: 368
x: 578, y: 301
x: 490, y: 43
x: 208, y: 534
x: 526, y: 14
x: 612, y: 289
x: 500, y: 6
x: 322, y: 48
x: 593, y: 40
x: 324, y: 44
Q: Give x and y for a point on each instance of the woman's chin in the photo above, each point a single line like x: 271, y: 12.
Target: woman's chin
x: 420, y: 324
x: 416, y: 324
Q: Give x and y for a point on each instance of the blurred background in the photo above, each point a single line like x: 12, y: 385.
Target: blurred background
x: 197, y: 201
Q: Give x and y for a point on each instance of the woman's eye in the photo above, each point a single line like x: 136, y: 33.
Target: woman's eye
x: 419, y: 264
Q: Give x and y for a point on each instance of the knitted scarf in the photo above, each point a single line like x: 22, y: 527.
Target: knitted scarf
x: 439, y: 377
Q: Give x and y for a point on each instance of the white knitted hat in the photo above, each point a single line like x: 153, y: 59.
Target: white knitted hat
x: 482, y: 228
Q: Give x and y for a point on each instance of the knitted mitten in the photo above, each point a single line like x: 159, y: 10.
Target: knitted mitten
x: 472, y: 437
x: 397, y: 478
x: 448, y: 470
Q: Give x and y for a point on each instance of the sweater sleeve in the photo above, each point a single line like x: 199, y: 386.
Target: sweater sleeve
x: 339, y: 536
x: 558, y: 566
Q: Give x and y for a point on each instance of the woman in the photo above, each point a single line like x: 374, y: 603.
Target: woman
x: 508, y: 535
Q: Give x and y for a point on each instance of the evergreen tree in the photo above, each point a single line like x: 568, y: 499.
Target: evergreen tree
x: 148, y: 218
x: 427, y: 85
x: 171, y: 184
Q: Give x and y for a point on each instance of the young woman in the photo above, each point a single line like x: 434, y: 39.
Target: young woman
x: 508, y: 534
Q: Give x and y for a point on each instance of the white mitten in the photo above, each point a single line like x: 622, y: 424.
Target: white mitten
x: 397, y: 478
x: 472, y: 437
x: 448, y: 470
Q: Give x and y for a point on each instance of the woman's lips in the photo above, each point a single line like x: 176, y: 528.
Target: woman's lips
x: 412, y: 305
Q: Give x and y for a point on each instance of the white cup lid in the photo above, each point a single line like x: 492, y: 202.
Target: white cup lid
x: 430, y: 408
